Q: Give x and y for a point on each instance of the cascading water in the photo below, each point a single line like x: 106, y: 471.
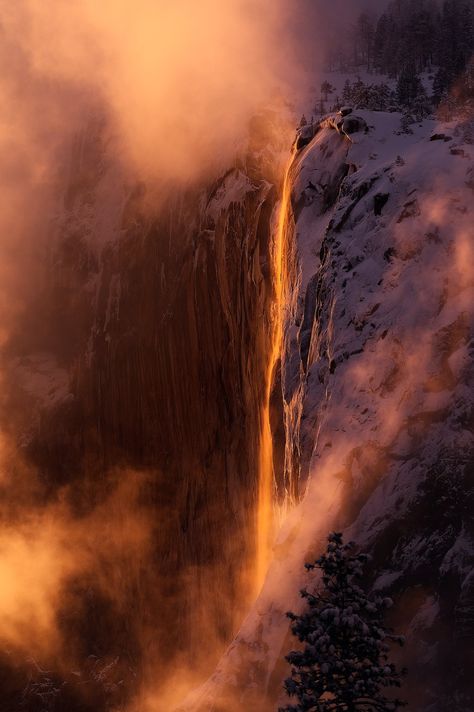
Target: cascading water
x: 280, y: 253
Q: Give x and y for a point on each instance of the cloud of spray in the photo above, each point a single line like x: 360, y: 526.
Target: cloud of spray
x: 43, y: 548
x: 174, y: 82
x: 178, y: 80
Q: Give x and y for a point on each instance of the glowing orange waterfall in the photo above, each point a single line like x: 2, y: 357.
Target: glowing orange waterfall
x: 265, y: 518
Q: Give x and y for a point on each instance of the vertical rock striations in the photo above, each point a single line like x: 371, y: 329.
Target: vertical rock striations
x: 160, y: 321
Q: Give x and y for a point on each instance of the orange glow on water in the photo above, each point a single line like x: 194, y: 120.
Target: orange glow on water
x: 265, y: 510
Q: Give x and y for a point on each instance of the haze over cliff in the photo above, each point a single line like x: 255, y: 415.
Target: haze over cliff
x: 222, y: 337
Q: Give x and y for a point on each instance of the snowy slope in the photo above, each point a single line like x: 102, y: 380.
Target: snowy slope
x: 379, y: 404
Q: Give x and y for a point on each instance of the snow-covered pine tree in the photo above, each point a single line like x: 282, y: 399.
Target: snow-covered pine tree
x: 343, y: 665
x: 359, y: 93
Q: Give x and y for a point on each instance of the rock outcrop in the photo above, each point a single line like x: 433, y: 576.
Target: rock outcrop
x: 377, y: 380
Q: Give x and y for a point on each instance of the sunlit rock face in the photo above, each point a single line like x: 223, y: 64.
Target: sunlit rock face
x: 377, y: 379
x: 152, y: 358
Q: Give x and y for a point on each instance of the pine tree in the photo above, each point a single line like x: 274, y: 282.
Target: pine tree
x: 454, y: 44
x: 359, y: 92
x: 326, y: 89
x: 347, y: 92
x: 343, y: 665
x: 365, y: 32
x: 422, y: 32
x: 380, y: 41
x: 440, y: 84
x: 392, y: 47
x: 409, y: 86
x: 468, y: 79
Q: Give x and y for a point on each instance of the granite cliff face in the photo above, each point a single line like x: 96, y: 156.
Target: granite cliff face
x: 377, y: 377
x: 151, y: 357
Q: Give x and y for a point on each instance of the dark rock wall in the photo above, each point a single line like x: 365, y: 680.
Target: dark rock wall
x: 163, y: 331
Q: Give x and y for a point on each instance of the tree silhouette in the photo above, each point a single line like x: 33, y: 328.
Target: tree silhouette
x: 409, y: 85
x: 326, y: 89
x: 343, y: 665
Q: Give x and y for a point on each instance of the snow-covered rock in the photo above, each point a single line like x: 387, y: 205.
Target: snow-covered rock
x: 377, y: 373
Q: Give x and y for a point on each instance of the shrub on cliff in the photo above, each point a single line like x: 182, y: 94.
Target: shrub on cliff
x: 343, y: 663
